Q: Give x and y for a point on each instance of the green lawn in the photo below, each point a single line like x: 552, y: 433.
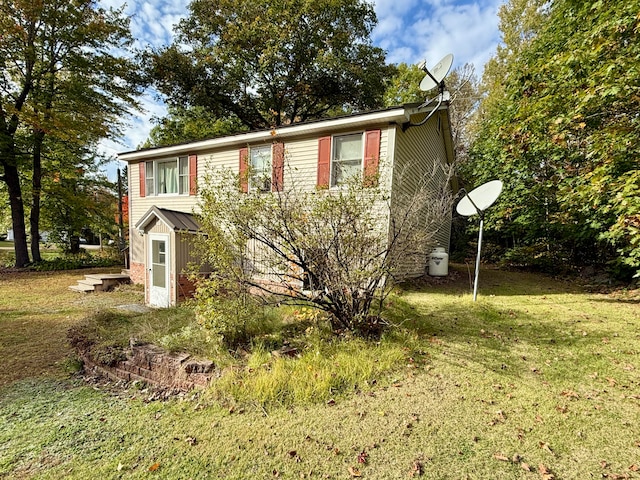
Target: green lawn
x: 538, y: 379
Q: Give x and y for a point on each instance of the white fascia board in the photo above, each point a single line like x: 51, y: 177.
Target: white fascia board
x: 399, y: 115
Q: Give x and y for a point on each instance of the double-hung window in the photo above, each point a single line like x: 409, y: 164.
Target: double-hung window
x: 260, y: 168
x: 346, y: 158
x: 167, y: 177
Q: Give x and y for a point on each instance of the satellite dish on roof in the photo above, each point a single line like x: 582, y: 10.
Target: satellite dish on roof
x: 434, y: 77
x: 475, y: 203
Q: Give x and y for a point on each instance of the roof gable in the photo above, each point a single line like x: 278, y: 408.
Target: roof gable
x: 176, y: 221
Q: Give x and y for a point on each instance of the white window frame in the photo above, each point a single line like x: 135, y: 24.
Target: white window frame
x: 182, y: 177
x: 260, y: 178
x: 333, y: 183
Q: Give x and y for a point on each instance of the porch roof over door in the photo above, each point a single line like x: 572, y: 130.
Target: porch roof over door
x: 176, y: 221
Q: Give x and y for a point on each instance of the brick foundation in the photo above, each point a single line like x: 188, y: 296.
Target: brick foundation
x: 137, y: 272
x: 186, y: 288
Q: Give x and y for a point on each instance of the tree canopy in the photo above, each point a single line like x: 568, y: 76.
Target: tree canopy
x: 560, y: 127
x: 270, y: 63
x: 62, y: 75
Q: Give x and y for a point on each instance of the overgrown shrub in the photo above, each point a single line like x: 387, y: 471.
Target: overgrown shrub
x: 338, y: 250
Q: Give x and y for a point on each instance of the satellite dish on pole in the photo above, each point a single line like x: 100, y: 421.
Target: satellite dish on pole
x: 475, y: 203
x: 433, y: 78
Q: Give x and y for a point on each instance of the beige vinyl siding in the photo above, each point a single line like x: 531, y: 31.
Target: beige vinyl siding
x: 184, y: 250
x: 301, y: 163
x: 417, y: 151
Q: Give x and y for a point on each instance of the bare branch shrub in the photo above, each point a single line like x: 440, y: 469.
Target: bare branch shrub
x: 339, y: 250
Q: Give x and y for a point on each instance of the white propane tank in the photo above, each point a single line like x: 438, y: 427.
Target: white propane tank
x: 439, y: 263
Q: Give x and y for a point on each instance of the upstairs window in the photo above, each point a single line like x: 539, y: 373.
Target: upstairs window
x: 346, y: 158
x: 260, y: 168
x: 168, y: 177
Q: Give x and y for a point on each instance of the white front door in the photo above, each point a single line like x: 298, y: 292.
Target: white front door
x: 159, y: 270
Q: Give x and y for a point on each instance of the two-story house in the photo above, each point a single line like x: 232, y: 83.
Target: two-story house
x: 164, y: 181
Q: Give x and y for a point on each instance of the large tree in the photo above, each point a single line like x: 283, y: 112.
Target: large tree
x: 273, y: 62
x: 61, y: 75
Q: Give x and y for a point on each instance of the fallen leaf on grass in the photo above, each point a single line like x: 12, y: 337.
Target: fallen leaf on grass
x: 416, y: 469
x: 634, y: 468
x: 612, y: 382
x: 570, y: 394
x: 501, y: 456
x: 545, y: 472
x: 154, y: 467
x: 363, y: 457
x: 545, y: 446
x: 354, y: 472
x: 525, y: 466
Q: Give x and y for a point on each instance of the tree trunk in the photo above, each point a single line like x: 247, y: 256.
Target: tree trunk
x: 36, y: 182
x: 12, y: 179
x: 74, y: 244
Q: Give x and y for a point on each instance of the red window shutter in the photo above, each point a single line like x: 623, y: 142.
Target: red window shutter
x: 244, y: 170
x: 277, y: 171
x: 143, y: 178
x: 193, y: 173
x: 371, y: 157
x: 324, y: 162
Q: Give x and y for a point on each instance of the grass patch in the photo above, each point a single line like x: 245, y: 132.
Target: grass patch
x: 537, y: 372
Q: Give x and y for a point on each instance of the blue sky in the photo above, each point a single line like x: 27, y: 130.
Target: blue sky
x: 408, y: 30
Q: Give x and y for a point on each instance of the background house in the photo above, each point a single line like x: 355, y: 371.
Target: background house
x: 163, y: 181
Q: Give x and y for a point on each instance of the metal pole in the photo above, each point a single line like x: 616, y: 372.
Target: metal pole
x: 475, y: 283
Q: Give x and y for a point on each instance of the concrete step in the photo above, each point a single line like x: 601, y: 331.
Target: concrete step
x: 107, y: 276
x: 82, y: 288
x: 99, y: 282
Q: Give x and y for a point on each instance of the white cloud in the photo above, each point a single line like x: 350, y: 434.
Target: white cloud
x: 430, y: 29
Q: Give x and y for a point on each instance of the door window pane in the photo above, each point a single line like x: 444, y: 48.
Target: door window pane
x: 159, y: 263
